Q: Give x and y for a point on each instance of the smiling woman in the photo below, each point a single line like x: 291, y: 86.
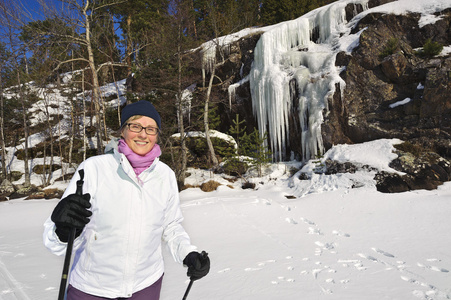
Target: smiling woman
x: 130, y: 206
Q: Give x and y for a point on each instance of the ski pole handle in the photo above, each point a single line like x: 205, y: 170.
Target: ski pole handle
x: 79, y: 190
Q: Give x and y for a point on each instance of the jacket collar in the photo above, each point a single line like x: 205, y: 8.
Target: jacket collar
x: 128, y: 169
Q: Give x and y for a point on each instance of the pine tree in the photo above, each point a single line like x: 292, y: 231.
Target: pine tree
x: 253, y: 146
x: 237, y: 129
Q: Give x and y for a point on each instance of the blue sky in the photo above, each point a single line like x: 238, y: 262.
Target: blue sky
x: 34, y: 7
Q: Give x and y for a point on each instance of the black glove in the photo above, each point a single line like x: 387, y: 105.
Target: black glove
x: 198, y: 265
x: 71, y: 212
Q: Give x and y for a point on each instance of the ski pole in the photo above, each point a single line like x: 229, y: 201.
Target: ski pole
x: 70, y: 244
x: 204, y: 256
x: 188, y: 289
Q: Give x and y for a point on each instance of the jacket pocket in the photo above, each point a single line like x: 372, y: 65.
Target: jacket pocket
x: 91, y: 237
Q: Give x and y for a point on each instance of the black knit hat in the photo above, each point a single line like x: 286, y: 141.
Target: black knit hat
x: 142, y: 108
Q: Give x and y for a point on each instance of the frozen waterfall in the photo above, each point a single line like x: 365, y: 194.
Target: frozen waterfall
x: 290, y: 70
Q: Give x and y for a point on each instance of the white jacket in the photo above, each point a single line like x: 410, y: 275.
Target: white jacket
x: 119, y: 251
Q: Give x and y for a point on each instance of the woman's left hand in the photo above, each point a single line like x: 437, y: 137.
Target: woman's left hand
x: 198, y: 265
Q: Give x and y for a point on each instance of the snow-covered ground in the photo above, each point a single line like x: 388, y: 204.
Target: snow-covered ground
x: 288, y: 239
x: 326, y: 240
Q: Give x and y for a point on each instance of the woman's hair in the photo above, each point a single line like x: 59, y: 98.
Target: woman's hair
x: 135, y: 117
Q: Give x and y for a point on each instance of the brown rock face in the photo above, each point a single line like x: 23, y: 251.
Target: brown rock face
x: 375, y: 83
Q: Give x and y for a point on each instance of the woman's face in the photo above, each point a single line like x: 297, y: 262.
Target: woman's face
x: 140, y: 142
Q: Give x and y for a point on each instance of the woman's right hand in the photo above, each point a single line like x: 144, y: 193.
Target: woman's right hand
x: 71, y: 212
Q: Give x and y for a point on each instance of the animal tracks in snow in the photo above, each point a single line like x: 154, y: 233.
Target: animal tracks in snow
x: 372, y: 261
x: 333, y: 260
x: 433, y: 268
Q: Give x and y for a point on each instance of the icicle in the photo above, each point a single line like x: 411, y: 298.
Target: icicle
x: 232, y: 88
x: 231, y: 91
x: 208, y: 56
x: 287, y: 52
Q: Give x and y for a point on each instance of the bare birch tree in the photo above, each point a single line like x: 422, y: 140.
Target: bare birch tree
x: 78, y: 18
x: 3, y: 60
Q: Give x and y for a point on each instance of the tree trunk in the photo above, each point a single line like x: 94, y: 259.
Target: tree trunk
x: 72, y: 134
x: 25, y: 130
x: 182, y: 174
x: 128, y: 57
x: 2, y: 132
x: 48, y: 176
x: 60, y: 146
x: 211, y: 150
x: 95, y: 81
x: 84, y: 115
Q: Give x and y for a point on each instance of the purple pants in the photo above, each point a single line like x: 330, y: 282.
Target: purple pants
x: 150, y: 293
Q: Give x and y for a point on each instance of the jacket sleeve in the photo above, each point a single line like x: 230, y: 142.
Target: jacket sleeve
x: 174, y: 234
x: 51, y: 240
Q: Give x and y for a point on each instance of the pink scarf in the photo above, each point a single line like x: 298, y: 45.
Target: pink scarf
x: 139, y: 162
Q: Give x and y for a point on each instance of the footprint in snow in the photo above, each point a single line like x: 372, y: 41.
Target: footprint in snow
x: 359, y: 267
x: 432, y: 293
x: 344, y: 281
x: 307, y: 221
x: 281, y: 278
x: 326, y: 246
x: 346, y: 262
x: 432, y: 259
x: 263, y: 263
x: 312, y: 230
x: 252, y: 269
x: 416, y: 282
x: 266, y: 201
x: 291, y: 221
x: 330, y: 280
x: 433, y: 268
x: 340, y: 233
x: 382, y: 252
x: 318, y: 252
x: 369, y: 257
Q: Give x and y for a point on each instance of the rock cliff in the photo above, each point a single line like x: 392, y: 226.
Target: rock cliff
x: 400, y: 93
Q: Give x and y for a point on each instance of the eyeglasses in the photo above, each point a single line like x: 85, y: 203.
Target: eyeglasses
x: 138, y: 128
